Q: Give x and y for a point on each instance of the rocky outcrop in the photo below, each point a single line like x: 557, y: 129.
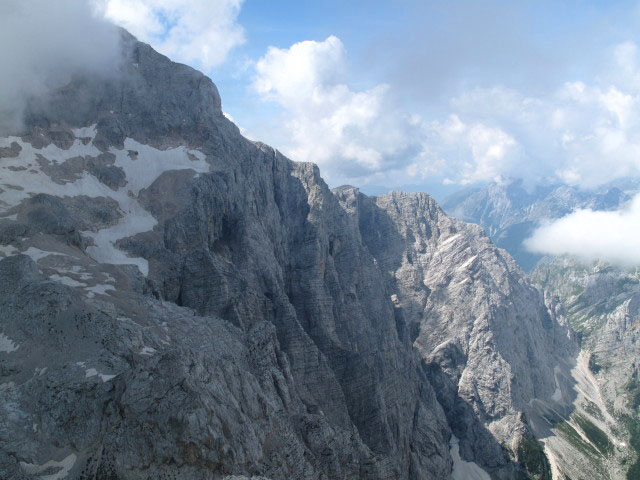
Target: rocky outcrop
x: 485, y: 336
x: 179, y: 302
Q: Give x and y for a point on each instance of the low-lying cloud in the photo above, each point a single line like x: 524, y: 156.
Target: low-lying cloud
x: 611, y: 236
x: 44, y: 43
x: 200, y: 33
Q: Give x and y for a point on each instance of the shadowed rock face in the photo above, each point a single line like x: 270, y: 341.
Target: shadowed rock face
x: 206, y: 307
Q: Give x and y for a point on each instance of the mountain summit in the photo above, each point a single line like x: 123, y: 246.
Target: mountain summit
x: 179, y: 302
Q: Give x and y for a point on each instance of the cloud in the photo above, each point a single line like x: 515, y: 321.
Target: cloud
x: 352, y: 134
x: 446, y: 45
x: 579, y: 133
x: 582, y: 134
x: 199, y: 32
x: 467, y: 152
x: 363, y: 136
x: 593, y: 235
x: 44, y: 43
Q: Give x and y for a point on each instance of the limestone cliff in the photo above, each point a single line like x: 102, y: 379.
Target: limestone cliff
x: 179, y: 302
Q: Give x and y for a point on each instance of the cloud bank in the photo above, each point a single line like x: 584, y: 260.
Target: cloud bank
x: 593, y: 235
x: 351, y: 133
x: 42, y: 44
x: 200, y: 33
x: 580, y: 134
x: 577, y: 133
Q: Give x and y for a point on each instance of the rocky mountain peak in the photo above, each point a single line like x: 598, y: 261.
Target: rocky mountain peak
x: 180, y: 302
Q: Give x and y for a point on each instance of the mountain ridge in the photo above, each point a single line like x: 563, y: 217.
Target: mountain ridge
x: 186, y: 303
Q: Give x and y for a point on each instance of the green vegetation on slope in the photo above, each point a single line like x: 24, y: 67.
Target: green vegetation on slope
x: 573, y: 437
x: 594, y: 366
x: 633, y: 426
x: 532, y: 456
x: 633, y: 397
x: 595, y: 435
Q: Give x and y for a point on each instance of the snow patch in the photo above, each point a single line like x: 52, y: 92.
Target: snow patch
x: 76, y: 270
x: 100, y: 289
x: 92, y: 372
x: 33, y: 180
x: 147, y: 351
x: 140, y: 173
x: 86, y: 132
x: 7, y: 345
x: 67, y: 281
x: 65, y: 466
x: 8, y: 250
x: 37, y: 254
x: 463, y: 470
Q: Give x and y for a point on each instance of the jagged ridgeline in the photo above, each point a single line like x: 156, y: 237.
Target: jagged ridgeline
x: 178, y: 302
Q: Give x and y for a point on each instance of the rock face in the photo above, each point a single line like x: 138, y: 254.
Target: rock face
x: 590, y: 425
x: 510, y: 212
x: 602, y: 303
x: 485, y: 337
x: 178, y: 302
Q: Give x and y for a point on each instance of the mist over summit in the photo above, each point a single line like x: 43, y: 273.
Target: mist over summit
x: 43, y: 45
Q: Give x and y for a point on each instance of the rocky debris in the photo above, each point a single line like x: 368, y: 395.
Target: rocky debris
x: 12, y: 151
x: 101, y: 166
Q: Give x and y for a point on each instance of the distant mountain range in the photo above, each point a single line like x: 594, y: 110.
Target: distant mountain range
x: 509, y: 211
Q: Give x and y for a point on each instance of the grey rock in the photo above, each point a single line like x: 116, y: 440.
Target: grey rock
x: 283, y: 330
x: 603, y: 304
x: 12, y: 151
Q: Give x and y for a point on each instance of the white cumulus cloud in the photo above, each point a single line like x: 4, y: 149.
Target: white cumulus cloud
x: 352, y: 134
x: 583, y: 134
x: 197, y: 32
x: 466, y: 152
x: 610, y: 236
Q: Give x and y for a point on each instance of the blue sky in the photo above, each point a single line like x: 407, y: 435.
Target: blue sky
x: 422, y: 95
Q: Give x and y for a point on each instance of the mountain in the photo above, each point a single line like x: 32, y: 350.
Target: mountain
x: 510, y: 212
x: 179, y: 302
x: 595, y: 427
x: 602, y: 303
